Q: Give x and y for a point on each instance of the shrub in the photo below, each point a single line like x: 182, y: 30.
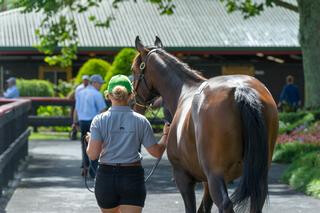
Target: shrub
x: 93, y: 66
x: 121, y: 65
x: 288, y: 152
x: 64, y: 88
x: 307, y: 119
x: 34, y: 88
x: 49, y: 111
x: 291, y: 117
x: 304, y: 174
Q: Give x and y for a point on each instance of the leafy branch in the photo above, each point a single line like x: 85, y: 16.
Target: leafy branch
x: 250, y: 8
x: 58, y: 33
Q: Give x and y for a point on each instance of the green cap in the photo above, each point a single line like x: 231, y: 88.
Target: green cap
x: 119, y: 80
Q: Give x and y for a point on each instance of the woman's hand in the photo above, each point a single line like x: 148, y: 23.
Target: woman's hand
x: 166, y: 129
x: 87, y: 137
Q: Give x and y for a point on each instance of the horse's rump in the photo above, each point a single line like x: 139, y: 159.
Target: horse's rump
x: 236, y: 141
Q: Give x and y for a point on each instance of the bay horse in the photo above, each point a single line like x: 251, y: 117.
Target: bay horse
x: 223, y: 128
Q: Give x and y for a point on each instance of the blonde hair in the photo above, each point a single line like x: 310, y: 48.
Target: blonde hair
x: 120, y: 93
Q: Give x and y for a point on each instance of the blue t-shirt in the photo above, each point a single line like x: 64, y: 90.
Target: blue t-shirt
x: 89, y: 103
x: 290, y: 94
x: 11, y: 92
x: 121, y: 131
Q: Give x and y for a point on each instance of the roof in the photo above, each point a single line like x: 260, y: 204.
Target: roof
x: 202, y: 25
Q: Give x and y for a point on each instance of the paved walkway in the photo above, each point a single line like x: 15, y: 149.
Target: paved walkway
x: 52, y: 183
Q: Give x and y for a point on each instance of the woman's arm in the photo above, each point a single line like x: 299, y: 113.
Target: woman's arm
x: 94, y: 148
x: 157, y: 150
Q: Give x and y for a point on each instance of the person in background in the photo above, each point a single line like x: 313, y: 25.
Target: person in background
x: 85, y: 83
x: 75, y: 125
x: 116, y: 138
x: 89, y: 103
x: 12, y: 90
x: 289, y: 97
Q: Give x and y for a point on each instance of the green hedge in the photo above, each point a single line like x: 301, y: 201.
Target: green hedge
x: 49, y: 111
x: 285, y: 127
x: 291, y: 117
x: 64, y: 88
x: 304, y: 174
x: 289, y: 152
x: 290, y: 121
x: 121, y: 65
x: 35, y: 88
x: 93, y: 66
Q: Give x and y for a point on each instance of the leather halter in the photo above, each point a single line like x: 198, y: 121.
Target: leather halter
x: 141, y: 78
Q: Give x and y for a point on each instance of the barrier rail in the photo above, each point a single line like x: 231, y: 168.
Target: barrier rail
x: 14, y: 134
x: 36, y: 121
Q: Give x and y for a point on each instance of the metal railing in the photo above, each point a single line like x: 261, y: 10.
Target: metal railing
x: 37, y: 121
x: 14, y: 134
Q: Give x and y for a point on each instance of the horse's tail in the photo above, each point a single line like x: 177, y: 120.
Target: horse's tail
x: 254, y: 181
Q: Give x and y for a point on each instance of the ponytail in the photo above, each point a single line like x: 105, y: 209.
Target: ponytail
x: 120, y: 93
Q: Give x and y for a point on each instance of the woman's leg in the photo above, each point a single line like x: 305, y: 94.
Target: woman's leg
x: 130, y: 209
x: 113, y: 210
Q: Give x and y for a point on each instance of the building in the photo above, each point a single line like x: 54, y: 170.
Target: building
x: 200, y: 33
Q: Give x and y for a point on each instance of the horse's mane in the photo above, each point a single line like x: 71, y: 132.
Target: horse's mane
x: 181, y: 68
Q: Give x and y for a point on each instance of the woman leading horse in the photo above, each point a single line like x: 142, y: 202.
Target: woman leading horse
x: 223, y: 128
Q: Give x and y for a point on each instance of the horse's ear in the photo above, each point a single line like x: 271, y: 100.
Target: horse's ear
x: 139, y: 45
x: 158, y: 42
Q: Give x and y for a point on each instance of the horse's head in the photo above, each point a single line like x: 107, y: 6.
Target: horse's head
x: 143, y: 80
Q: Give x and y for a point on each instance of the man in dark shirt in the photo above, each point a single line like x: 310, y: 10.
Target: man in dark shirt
x: 289, y: 97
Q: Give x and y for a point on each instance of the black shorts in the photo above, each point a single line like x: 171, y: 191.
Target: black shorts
x: 120, y: 186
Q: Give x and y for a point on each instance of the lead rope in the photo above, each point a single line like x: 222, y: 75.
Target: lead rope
x: 86, y: 176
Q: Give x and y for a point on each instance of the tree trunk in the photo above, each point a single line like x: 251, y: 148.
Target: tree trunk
x: 310, y: 45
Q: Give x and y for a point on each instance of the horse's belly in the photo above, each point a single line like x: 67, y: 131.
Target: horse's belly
x: 182, y: 150
x: 182, y: 155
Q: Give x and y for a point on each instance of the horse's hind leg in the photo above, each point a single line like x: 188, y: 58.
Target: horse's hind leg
x: 206, y: 204
x: 219, y: 193
x: 186, y: 184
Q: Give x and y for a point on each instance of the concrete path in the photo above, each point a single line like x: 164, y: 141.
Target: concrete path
x: 52, y: 183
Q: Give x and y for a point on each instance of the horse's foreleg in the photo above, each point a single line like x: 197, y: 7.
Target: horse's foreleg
x: 219, y: 193
x: 207, y: 202
x: 186, y: 184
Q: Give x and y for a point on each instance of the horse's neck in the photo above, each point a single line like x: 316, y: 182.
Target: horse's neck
x: 171, y: 88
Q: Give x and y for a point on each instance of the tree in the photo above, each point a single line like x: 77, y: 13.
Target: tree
x: 63, y: 32
x: 58, y: 34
